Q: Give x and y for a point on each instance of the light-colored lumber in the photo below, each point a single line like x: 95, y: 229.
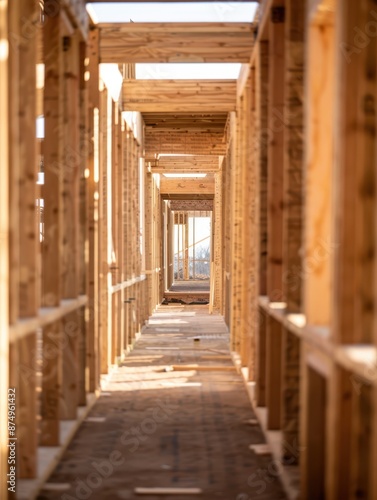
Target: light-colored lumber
x: 293, y: 153
x: 4, y: 242
x: 262, y: 94
x: 276, y: 129
x: 209, y: 122
x: 54, y: 163
x: 14, y: 160
x: 217, y: 244
x: 70, y: 337
x: 51, y: 385
x: 179, y: 95
x: 45, y: 316
x: 70, y: 169
x: 158, y: 144
x: 175, y: 42
x: 187, y: 185
x: 71, y: 226
x: 92, y: 338
x: 191, y: 205
x: 189, y: 163
x: 273, y: 373
x: 319, y: 243
x: 314, y: 443
x: 355, y: 174
x: 53, y: 160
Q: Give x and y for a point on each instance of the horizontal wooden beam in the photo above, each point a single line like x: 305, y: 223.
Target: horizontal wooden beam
x: 187, y: 186
x: 173, y: 164
x: 175, y: 42
x: 185, y: 122
x: 179, y: 95
x: 189, y: 143
x: 187, y: 196
x: 46, y: 316
x: 191, y: 205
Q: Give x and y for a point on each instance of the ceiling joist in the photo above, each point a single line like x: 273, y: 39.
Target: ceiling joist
x: 178, y: 186
x: 195, y: 96
x: 176, y: 42
x: 193, y: 164
x: 184, y: 122
x: 184, y: 143
x: 192, y: 205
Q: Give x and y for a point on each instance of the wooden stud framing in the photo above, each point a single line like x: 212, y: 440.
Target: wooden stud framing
x: 319, y: 237
x: 355, y: 195
x: 53, y: 207
x: 92, y: 282
x: 275, y: 156
x: 293, y: 153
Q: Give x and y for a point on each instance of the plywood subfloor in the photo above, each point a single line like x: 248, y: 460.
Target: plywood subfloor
x: 170, y: 429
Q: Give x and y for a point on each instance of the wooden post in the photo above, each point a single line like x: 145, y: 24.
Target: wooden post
x: 292, y: 218
x: 217, y: 244
x: 92, y: 343
x: 355, y: 173
x: 186, y: 244
x: 53, y: 207
x: 102, y: 230
x: 70, y: 224
x: 273, y: 373
x: 276, y: 128
x: 236, y: 268
x: 293, y: 153
x: 14, y: 160
x: 262, y: 94
x: 319, y: 242
x: 4, y: 242
x: 261, y: 152
x: 120, y: 238
x: 84, y: 221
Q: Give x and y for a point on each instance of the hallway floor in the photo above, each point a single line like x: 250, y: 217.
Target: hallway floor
x: 175, y: 415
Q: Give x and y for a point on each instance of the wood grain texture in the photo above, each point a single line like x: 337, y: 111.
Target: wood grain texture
x: 183, y: 143
x: 194, y: 163
x: 175, y: 42
x: 184, y: 122
x: 191, y: 205
x: 187, y: 186
x: 179, y: 95
x: 293, y: 154
x: 276, y: 130
x: 355, y: 175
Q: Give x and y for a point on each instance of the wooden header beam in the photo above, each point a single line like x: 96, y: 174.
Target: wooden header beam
x: 187, y: 186
x: 179, y: 95
x: 191, y: 205
x: 184, y: 122
x: 185, y: 164
x: 178, y: 143
x: 176, y: 42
